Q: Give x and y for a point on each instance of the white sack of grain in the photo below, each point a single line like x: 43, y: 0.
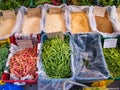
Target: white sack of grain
x: 104, y: 25
x: 32, y: 21
x: 79, y: 18
x: 54, y: 18
x: 10, y: 23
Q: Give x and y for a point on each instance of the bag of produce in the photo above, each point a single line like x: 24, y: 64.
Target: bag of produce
x: 54, y: 18
x: 56, y: 64
x: 79, y: 19
x: 10, y: 22
x: 111, y: 50
x: 105, y: 22
x: 4, y: 51
x: 31, y: 20
x: 22, y: 62
x: 89, y: 60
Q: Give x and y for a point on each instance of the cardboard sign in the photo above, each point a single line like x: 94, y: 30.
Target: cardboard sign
x: 24, y: 41
x: 99, y: 11
x: 34, y: 12
x: 55, y: 10
x: 8, y: 14
x: 53, y: 35
x: 110, y: 43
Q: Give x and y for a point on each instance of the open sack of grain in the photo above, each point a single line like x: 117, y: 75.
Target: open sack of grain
x: 54, y: 18
x: 10, y: 22
x: 79, y: 18
x: 89, y: 61
x: 56, y: 65
x: 105, y: 21
x: 22, y: 62
x: 32, y: 20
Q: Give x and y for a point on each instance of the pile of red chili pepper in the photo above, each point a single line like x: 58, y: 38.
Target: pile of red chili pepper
x: 23, y: 63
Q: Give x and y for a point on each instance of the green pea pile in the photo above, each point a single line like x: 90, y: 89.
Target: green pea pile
x: 56, y: 57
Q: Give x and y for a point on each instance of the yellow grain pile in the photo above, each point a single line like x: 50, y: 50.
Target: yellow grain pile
x: 79, y: 22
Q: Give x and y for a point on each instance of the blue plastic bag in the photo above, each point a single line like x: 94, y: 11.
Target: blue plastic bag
x: 9, y: 86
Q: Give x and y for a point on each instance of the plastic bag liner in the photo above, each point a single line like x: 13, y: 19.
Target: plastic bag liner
x: 46, y: 83
x: 111, y: 15
x: 86, y: 9
x: 89, y: 62
x: 9, y: 86
x: 63, y: 21
x: 18, y: 23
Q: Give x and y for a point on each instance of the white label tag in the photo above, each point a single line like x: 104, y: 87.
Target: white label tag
x: 54, y: 34
x: 110, y: 43
x: 99, y: 11
x: 24, y: 43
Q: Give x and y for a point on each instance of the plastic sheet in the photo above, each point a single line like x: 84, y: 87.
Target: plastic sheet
x: 89, y: 61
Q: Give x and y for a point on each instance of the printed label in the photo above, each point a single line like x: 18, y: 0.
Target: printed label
x: 99, y: 11
x: 24, y: 41
x: 110, y: 43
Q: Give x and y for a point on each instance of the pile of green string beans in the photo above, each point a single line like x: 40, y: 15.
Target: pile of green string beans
x: 112, y: 57
x: 56, y: 57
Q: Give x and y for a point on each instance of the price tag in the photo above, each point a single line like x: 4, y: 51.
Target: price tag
x: 99, y: 11
x: 8, y: 14
x: 53, y: 35
x: 24, y: 43
x: 55, y: 10
x: 34, y: 12
x: 110, y: 43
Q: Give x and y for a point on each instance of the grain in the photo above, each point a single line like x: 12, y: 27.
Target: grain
x: 79, y: 22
